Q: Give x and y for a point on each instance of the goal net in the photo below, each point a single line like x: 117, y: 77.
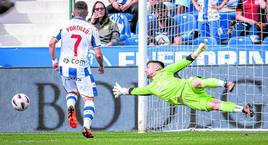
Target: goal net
x: 241, y: 59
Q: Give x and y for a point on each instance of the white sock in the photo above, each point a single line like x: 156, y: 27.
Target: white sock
x: 238, y: 108
x: 89, y: 112
x: 221, y: 83
x: 71, y: 99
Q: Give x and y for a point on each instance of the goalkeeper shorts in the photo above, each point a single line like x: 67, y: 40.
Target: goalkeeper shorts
x: 196, y: 99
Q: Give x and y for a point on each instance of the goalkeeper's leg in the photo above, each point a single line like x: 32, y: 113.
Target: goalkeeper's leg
x: 211, y: 83
x: 203, y: 101
x: 225, y: 106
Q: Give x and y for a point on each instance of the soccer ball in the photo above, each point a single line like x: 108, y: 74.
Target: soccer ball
x: 20, y: 102
x: 162, y: 40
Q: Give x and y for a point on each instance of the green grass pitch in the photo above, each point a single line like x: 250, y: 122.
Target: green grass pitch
x: 134, y: 138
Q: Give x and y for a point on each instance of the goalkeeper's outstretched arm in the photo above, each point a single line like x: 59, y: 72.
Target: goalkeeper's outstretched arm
x: 199, y: 50
x: 118, y: 91
x: 187, y: 60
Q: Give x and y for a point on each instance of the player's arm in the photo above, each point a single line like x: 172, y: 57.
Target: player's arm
x: 186, y: 61
x: 52, y: 48
x: 99, y: 57
x: 118, y: 91
x: 52, y: 51
x: 96, y: 45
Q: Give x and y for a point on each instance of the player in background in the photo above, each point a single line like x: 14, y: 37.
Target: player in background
x: 77, y: 38
x: 178, y: 91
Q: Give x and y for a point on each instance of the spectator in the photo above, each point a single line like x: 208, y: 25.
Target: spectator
x: 170, y: 4
x: 164, y: 30
x: 125, y: 6
x: 182, y: 6
x: 108, y: 29
x: 264, y: 20
x: 248, y: 18
x: 209, y: 17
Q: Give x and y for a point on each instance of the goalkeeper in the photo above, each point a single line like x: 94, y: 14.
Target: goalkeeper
x: 189, y: 92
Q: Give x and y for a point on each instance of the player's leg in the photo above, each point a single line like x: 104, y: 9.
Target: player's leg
x: 89, y: 112
x: 87, y: 89
x: 198, y: 99
x: 71, y: 98
x: 198, y: 82
x: 225, y: 106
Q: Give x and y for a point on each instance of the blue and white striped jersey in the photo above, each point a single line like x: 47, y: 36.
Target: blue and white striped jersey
x: 77, y: 38
x: 206, y: 12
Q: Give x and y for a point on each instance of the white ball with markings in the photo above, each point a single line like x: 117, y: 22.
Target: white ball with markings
x: 20, y: 102
x: 162, y: 40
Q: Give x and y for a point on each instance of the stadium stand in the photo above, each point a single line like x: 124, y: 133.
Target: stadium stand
x: 240, y: 40
x: 132, y: 41
x: 151, y: 18
x: 187, y: 24
x: 206, y: 40
x: 31, y: 23
x: 265, y: 41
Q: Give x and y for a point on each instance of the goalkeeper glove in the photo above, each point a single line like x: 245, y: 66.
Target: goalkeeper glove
x: 201, y: 48
x: 118, y: 90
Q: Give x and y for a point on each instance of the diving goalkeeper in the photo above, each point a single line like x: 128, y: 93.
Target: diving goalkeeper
x: 178, y: 91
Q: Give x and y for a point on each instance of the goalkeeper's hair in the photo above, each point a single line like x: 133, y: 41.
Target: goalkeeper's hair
x: 156, y: 61
x: 81, y: 8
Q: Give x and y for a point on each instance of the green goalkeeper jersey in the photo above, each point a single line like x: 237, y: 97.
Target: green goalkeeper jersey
x: 165, y: 84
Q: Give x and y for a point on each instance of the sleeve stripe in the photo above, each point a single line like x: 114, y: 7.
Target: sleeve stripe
x: 93, y: 42
x: 58, y: 37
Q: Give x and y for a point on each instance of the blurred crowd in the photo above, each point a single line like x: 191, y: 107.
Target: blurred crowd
x: 177, y: 22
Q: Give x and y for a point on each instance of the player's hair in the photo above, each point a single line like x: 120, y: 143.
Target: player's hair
x: 156, y: 61
x: 81, y: 8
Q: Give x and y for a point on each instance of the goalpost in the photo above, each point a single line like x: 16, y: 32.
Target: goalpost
x: 243, y: 63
